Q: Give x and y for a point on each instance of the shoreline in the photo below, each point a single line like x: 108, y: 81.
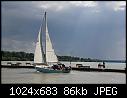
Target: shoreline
x: 74, y: 68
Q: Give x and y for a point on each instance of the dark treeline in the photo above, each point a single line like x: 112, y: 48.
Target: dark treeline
x: 23, y: 56
x: 76, y: 59
x: 17, y: 56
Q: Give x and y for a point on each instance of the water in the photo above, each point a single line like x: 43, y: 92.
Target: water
x: 30, y: 76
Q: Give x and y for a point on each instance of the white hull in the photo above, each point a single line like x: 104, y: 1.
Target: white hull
x: 46, y: 69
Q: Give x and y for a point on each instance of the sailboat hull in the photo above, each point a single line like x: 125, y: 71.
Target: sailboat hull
x: 50, y: 70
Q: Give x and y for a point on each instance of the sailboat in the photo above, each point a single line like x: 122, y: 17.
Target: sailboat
x: 47, y: 61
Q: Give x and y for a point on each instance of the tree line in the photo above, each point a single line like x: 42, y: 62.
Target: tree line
x: 23, y: 56
x: 16, y: 56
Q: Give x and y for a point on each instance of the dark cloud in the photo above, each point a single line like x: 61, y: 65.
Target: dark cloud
x: 97, y: 32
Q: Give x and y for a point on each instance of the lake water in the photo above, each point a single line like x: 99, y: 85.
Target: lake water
x: 28, y: 76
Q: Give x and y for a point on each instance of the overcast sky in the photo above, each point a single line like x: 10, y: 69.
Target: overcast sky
x: 89, y: 29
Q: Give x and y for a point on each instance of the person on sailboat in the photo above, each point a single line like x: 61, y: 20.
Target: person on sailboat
x: 63, y: 65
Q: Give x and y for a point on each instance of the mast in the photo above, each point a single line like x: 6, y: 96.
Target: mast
x: 45, y: 19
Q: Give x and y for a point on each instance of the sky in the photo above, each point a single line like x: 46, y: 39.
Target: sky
x: 88, y: 29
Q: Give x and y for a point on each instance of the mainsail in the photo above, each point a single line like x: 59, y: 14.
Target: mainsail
x: 50, y: 53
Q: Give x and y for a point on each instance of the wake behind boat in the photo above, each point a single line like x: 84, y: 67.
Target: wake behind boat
x: 47, y: 61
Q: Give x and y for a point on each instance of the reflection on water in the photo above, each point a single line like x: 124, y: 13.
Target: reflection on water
x: 28, y: 76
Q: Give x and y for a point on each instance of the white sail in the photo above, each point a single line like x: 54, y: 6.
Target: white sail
x: 50, y: 53
x: 39, y: 53
x: 45, y: 63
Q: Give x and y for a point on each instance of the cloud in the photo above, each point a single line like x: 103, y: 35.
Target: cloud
x: 59, y: 5
x: 81, y: 28
x: 84, y: 3
x: 116, y: 5
x: 42, y: 6
x: 63, y: 5
x: 16, y: 45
